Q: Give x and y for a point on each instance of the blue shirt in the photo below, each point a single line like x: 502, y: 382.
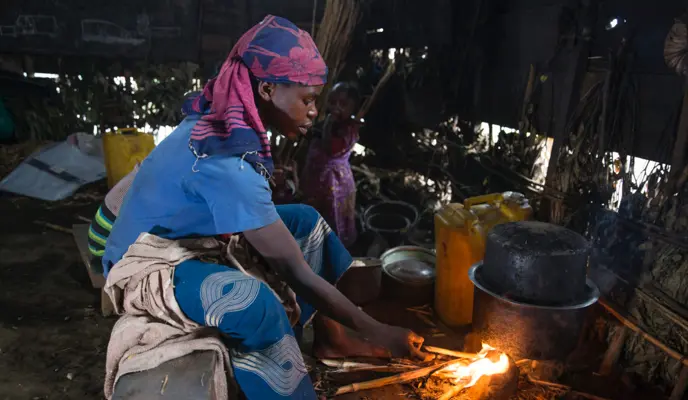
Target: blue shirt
x: 175, y: 196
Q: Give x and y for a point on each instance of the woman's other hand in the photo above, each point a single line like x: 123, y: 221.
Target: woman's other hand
x: 400, y: 342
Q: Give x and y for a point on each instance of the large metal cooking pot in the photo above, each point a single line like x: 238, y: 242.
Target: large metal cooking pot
x: 525, y: 330
x: 408, y: 275
x: 536, y: 262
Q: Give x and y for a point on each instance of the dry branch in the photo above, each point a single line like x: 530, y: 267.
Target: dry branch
x: 637, y: 329
x: 54, y: 227
x: 426, y: 320
x: 380, y: 84
x: 451, y: 353
x: 344, y: 366
x: 395, y: 379
x: 566, y: 389
x: 376, y: 368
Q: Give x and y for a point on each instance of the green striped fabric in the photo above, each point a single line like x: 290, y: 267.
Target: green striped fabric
x: 99, y: 230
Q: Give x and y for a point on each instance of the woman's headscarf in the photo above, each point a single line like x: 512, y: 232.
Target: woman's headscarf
x: 273, y: 51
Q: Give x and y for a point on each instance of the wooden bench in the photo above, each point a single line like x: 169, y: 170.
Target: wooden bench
x: 95, y: 272
x: 188, y: 377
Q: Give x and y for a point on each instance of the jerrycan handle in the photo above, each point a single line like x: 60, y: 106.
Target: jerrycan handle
x: 466, y: 216
x: 486, y: 198
x: 508, y: 212
x: 127, y: 131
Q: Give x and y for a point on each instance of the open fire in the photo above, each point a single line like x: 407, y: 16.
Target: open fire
x: 483, y: 365
x: 487, y: 362
x: 462, y: 371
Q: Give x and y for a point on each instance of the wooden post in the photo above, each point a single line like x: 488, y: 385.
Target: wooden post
x: 678, y: 157
x: 611, y: 356
x: 576, y: 58
x: 681, y: 385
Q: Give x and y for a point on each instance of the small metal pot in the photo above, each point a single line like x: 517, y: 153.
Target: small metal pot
x: 391, y: 219
x: 536, y: 262
x: 408, y: 275
x: 525, y: 330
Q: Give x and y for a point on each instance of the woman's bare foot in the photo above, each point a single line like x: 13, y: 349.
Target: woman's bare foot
x: 333, y: 341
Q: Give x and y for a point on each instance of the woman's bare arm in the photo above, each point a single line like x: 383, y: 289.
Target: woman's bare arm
x: 276, y: 244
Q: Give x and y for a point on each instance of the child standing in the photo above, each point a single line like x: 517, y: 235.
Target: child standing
x: 327, y: 181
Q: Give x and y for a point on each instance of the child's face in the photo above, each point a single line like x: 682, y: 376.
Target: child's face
x: 340, y: 105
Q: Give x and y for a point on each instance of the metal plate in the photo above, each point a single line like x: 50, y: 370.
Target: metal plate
x: 411, y: 265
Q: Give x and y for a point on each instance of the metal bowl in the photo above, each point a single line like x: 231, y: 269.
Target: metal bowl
x: 408, y: 274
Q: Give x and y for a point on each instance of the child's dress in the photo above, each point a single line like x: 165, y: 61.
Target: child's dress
x: 328, y: 183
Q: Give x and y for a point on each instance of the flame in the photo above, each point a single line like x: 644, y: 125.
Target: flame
x: 482, y: 366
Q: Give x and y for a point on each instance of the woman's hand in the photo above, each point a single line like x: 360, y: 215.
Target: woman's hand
x: 400, y: 342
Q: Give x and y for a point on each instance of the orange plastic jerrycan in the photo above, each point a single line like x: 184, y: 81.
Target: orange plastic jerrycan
x: 498, y: 208
x: 460, y: 243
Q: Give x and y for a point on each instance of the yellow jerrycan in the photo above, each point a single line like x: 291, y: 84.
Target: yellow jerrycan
x: 459, y: 244
x: 123, y: 150
x: 498, y: 208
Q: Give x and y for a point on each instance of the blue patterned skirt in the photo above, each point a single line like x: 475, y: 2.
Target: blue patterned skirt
x: 266, y: 358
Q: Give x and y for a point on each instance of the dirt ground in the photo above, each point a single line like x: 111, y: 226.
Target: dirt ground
x: 52, y: 337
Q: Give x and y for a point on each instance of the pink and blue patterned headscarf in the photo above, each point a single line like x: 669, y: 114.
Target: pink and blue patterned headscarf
x: 273, y: 51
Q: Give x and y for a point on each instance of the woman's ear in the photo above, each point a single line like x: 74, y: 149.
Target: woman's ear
x: 266, y: 90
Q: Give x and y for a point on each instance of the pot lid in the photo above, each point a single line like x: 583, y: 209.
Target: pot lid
x: 416, y: 272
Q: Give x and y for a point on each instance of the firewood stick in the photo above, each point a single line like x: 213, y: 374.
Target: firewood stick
x: 566, y: 388
x: 389, y: 71
x: 424, y: 312
x: 452, y: 392
x: 345, y: 364
x: 54, y: 227
x: 375, y: 368
x: 681, y: 385
x: 637, y: 329
x: 427, y: 320
x: 391, y: 380
x: 447, y: 352
x: 611, y: 356
x: 451, y: 375
x: 79, y: 217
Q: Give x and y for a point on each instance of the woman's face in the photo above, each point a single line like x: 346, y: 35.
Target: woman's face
x: 340, y: 105
x: 293, y: 108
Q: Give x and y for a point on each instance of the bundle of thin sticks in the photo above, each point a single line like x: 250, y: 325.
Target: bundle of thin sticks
x: 334, y: 37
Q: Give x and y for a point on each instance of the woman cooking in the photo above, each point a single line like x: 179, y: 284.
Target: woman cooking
x: 209, y: 178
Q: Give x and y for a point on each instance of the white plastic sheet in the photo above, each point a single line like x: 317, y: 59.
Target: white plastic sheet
x: 54, y: 173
